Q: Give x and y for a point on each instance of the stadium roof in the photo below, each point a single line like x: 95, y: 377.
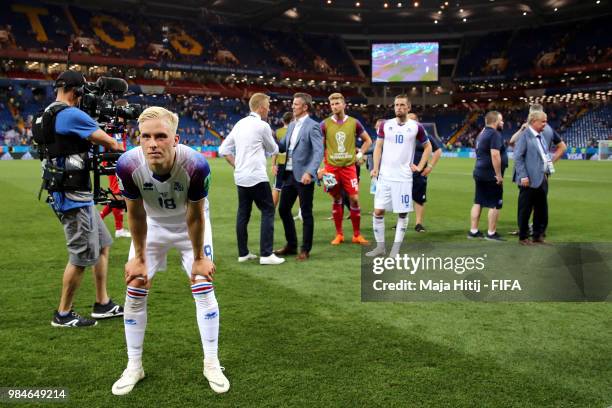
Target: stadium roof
x: 372, y: 17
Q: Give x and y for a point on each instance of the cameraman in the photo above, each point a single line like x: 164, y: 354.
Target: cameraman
x: 65, y: 134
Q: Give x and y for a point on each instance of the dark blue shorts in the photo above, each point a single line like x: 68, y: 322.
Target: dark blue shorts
x: 280, y: 176
x: 489, y: 194
x: 419, y: 189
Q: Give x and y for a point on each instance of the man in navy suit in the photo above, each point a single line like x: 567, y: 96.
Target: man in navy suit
x: 303, y: 143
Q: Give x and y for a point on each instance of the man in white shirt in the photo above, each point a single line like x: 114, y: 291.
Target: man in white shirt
x: 245, y: 148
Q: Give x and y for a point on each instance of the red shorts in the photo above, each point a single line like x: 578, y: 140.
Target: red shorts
x: 346, y: 178
x: 114, y: 184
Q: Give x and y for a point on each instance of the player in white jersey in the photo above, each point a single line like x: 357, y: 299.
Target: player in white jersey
x: 393, y: 156
x: 166, y: 184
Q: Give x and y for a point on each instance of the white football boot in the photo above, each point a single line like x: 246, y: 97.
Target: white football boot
x: 213, y: 372
x: 377, y: 251
x: 122, y: 233
x: 128, y: 380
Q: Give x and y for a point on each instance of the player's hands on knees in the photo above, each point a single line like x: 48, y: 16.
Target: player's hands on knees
x: 204, y: 268
x: 374, y: 173
x: 135, y: 268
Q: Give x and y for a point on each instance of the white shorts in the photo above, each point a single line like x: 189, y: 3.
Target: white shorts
x: 161, y: 238
x: 393, y: 196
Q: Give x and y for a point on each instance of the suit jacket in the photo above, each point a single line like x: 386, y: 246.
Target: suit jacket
x: 308, y: 150
x: 527, y: 158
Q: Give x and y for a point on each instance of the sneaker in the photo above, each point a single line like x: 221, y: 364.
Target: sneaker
x: 338, y: 240
x: 359, y: 239
x: 419, y: 228
x: 111, y: 309
x: 494, y: 237
x: 71, y: 320
x: 271, y: 260
x: 247, y: 257
x: 213, y: 372
x: 477, y: 234
x: 129, y: 378
x: 122, y: 233
x: 378, y: 251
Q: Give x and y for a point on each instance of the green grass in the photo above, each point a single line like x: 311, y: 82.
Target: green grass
x: 298, y: 335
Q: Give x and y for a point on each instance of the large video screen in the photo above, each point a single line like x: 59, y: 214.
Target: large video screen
x: 405, y: 62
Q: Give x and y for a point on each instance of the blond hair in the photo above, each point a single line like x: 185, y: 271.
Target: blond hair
x: 336, y: 95
x: 535, y: 115
x: 157, y: 112
x: 403, y: 96
x: 258, y: 100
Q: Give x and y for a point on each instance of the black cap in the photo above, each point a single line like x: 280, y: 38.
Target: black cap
x: 69, y: 79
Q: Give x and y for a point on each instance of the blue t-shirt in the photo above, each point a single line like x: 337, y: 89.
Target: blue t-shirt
x: 489, y: 139
x: 555, y: 139
x: 72, y: 121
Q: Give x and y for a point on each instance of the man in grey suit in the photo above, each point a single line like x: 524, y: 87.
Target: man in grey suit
x: 532, y: 167
x: 549, y: 134
x: 303, y: 143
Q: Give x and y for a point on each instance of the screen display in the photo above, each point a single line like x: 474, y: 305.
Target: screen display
x: 405, y: 62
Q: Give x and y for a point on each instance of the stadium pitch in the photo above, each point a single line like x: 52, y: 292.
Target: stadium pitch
x: 298, y: 334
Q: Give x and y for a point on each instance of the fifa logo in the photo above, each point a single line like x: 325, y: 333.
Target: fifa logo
x: 340, y: 139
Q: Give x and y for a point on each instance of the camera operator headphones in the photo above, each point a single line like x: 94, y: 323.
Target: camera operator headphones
x: 72, y: 80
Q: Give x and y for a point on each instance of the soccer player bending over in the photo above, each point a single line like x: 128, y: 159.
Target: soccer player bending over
x: 393, y: 166
x: 166, y: 185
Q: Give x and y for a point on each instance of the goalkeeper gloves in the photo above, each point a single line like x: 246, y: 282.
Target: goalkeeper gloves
x: 329, y: 181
